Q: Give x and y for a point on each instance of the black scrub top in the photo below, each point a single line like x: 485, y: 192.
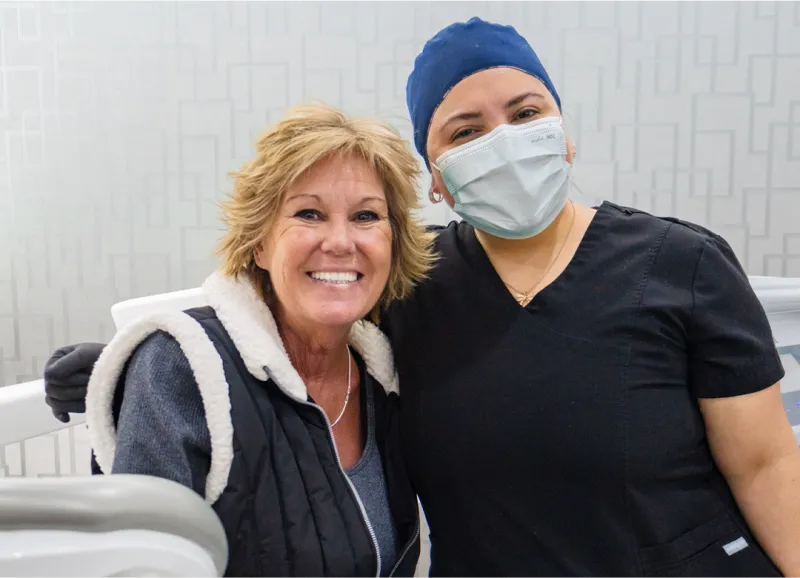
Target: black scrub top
x: 564, y: 438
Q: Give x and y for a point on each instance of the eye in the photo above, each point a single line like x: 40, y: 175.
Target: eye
x: 367, y: 216
x: 308, y: 215
x: 526, y: 114
x: 463, y: 133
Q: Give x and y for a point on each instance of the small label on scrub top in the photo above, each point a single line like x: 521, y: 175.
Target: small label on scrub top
x: 735, y: 546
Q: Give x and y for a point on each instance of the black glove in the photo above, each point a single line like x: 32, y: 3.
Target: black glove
x: 66, y: 377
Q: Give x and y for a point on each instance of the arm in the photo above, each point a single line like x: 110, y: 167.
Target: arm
x: 754, y: 447
x: 161, y: 428
x: 734, y: 371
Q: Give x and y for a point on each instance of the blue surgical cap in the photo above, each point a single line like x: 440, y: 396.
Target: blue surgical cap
x: 458, y: 51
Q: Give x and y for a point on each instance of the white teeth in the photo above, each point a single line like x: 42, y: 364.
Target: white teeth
x: 335, y: 277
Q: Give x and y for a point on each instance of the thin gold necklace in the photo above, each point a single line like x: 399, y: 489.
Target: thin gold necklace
x: 524, y: 297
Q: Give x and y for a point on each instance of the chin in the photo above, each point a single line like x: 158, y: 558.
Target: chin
x: 338, y: 315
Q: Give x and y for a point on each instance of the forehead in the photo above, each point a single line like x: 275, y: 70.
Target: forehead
x: 338, y: 175
x: 487, y: 89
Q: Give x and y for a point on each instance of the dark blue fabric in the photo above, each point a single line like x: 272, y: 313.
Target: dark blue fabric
x: 458, y: 51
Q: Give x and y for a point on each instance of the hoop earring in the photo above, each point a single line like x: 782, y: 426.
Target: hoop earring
x: 432, y: 195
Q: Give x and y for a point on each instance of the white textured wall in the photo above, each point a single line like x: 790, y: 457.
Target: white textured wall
x: 121, y: 121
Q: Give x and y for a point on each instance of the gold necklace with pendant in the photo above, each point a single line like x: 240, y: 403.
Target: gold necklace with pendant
x: 525, y: 297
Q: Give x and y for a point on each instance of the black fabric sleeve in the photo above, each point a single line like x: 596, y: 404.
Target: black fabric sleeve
x: 162, y: 428
x: 731, y: 348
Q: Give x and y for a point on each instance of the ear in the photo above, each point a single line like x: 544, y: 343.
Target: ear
x: 261, y: 255
x: 572, y: 151
x: 438, y: 190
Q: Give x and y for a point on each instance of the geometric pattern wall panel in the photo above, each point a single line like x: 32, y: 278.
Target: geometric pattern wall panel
x: 121, y: 120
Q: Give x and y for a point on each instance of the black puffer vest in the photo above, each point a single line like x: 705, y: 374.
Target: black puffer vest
x: 275, y: 479
x: 289, y: 509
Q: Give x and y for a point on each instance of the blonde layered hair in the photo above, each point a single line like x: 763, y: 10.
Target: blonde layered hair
x: 285, y: 153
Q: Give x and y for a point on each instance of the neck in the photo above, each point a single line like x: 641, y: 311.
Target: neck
x: 320, y: 354
x: 523, y: 251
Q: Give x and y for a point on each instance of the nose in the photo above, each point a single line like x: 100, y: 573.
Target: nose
x: 339, y: 236
x: 493, y: 119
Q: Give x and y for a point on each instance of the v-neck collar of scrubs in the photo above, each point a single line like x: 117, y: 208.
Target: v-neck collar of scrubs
x: 487, y: 274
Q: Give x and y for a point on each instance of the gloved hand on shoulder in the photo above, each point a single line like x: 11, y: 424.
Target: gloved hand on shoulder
x: 66, y: 377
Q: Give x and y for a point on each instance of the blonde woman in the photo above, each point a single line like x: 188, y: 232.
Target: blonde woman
x: 277, y: 402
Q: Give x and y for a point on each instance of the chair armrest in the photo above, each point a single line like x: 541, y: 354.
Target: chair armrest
x: 112, y: 503
x: 25, y: 415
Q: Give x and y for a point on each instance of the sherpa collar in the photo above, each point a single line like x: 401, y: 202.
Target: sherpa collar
x: 251, y: 325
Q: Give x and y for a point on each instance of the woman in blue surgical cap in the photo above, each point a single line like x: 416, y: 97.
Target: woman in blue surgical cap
x: 586, y: 391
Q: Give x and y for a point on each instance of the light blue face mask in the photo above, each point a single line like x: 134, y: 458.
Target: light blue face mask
x: 513, y: 182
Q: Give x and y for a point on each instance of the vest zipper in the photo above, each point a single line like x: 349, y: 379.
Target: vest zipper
x: 347, y: 479
x: 406, y: 549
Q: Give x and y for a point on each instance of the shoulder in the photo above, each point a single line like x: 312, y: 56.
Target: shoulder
x: 449, y: 268
x: 446, y: 236
x: 628, y: 218
x: 159, y: 347
x: 448, y: 247
x: 159, y: 363
x: 166, y: 355
x: 160, y: 342
x: 668, y: 238
x: 454, y: 246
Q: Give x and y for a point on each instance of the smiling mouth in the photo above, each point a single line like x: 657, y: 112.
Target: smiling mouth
x: 335, y: 277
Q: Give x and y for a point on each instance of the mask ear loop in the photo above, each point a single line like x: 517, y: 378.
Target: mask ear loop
x: 572, y: 183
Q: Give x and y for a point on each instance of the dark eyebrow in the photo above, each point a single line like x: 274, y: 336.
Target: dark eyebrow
x: 517, y: 100
x: 511, y: 103
x: 461, y: 116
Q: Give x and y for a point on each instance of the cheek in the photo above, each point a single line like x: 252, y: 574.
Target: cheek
x: 290, y: 249
x: 376, y: 246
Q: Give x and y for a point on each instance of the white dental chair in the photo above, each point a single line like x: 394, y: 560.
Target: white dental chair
x: 126, y: 311
x: 107, y: 526
x: 100, y: 525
